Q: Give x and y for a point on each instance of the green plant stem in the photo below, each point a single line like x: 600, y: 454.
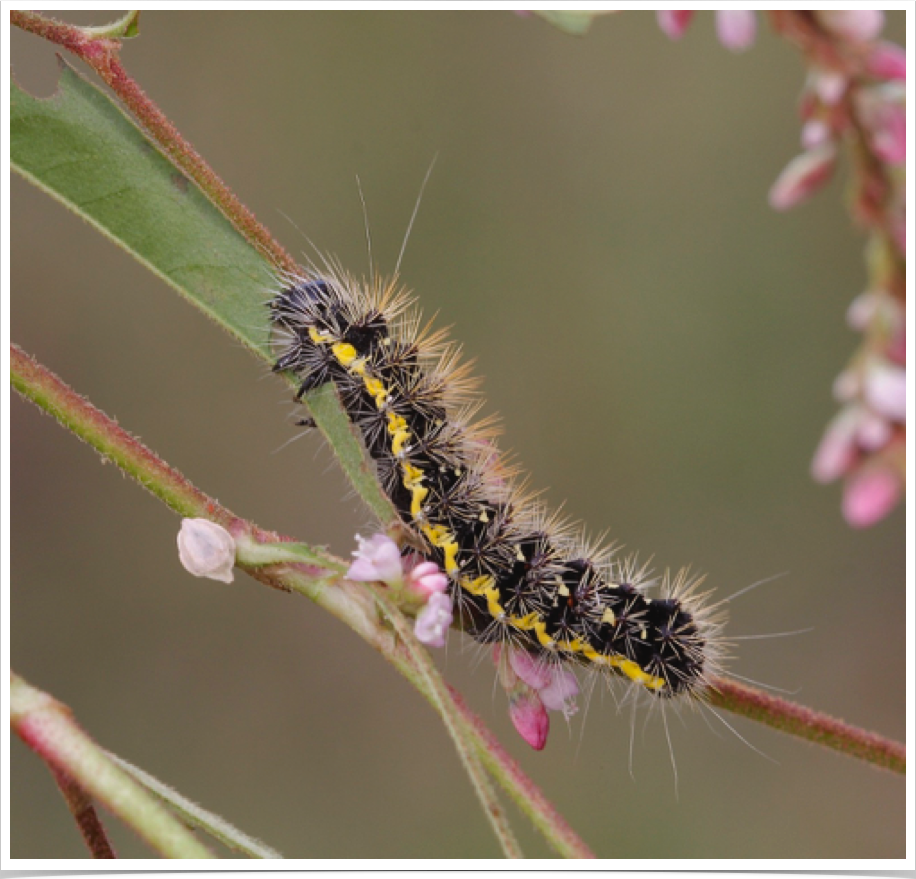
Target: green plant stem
x: 797, y: 720
x: 196, y: 816
x: 444, y: 704
x: 48, y: 728
x: 83, y: 811
x: 101, y: 53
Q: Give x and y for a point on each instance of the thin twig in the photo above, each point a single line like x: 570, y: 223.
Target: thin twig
x: 453, y: 722
x: 87, y: 819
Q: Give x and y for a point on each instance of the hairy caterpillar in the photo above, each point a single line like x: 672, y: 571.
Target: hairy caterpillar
x: 517, y: 575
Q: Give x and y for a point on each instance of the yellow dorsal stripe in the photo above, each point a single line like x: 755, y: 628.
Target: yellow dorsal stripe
x: 442, y: 538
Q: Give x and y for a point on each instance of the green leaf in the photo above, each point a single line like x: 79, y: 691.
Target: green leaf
x: 575, y: 23
x: 81, y: 148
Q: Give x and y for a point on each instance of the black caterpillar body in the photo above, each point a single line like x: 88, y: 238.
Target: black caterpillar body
x: 516, y: 575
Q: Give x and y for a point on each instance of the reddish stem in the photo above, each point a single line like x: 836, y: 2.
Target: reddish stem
x: 806, y: 723
x: 85, y: 815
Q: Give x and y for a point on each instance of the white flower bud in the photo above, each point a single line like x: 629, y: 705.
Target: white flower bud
x: 206, y: 549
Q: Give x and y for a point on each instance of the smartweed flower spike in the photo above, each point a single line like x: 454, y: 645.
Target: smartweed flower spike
x: 378, y: 559
x: 736, y: 28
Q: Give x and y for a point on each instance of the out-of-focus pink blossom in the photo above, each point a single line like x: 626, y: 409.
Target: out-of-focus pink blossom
x: 889, y: 137
x: 560, y: 694
x: 856, y: 25
x: 736, y: 28
x: 873, y: 432
x: 433, y: 621
x: 885, y: 390
x: 674, y: 23
x: 830, y: 86
x: 887, y: 61
x: 870, y: 494
x: 837, y: 451
x: 815, y: 133
x: 847, y: 386
x: 802, y: 177
x: 530, y: 719
x: 426, y: 579
x: 377, y: 558
x: 862, y: 310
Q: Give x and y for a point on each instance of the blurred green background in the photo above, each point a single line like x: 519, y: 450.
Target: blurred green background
x: 660, y: 344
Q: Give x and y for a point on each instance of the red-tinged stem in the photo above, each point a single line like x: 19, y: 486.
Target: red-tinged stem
x: 102, y: 55
x: 85, y: 815
x: 797, y: 720
x: 49, y: 729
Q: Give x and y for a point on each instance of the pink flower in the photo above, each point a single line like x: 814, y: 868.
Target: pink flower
x: 377, y: 558
x: 530, y: 719
x: 427, y: 579
x: 885, y: 390
x: 802, y: 177
x: 837, y: 451
x: 887, y: 61
x: 433, y: 622
x: 870, y: 494
x: 736, y: 28
x: 674, y: 23
x: 857, y: 26
x: 533, y: 671
x: 560, y: 694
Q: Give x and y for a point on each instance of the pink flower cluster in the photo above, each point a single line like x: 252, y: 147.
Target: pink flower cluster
x: 534, y: 688
x: 379, y: 559
x: 858, y: 85
x: 856, y: 92
x: 865, y: 442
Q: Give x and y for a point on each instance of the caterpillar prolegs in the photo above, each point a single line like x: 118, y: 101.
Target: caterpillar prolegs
x: 517, y: 575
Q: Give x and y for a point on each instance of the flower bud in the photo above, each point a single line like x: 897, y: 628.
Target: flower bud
x: 426, y: 579
x: 530, y: 719
x: 837, y: 451
x: 802, y: 177
x: 206, y: 549
x: 870, y: 494
x: 736, y: 28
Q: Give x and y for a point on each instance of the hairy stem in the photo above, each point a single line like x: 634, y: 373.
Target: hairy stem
x: 797, y: 720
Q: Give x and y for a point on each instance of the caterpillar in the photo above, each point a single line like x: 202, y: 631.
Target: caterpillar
x: 517, y: 575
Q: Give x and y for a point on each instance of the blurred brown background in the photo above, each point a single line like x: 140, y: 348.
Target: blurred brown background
x: 661, y: 346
